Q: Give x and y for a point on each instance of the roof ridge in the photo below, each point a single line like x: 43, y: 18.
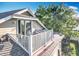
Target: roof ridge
x: 13, y: 10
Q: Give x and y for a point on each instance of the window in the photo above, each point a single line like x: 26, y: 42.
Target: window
x: 28, y: 27
x: 19, y: 28
x: 22, y: 27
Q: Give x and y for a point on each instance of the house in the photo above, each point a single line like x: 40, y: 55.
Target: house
x: 21, y: 33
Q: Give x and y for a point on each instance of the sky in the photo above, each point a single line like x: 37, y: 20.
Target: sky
x: 8, y: 6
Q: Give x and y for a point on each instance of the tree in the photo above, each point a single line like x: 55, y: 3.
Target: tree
x: 59, y: 17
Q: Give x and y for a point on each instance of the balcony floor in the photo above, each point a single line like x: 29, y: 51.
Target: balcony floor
x: 51, y: 48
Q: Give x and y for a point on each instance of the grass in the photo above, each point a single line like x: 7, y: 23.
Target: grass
x: 73, y: 49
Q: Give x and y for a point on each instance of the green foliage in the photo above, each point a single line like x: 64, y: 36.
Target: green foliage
x: 73, y: 49
x: 59, y: 17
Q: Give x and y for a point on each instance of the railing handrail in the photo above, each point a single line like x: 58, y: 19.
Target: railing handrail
x: 43, y: 32
x: 17, y: 42
x: 41, y: 39
x: 29, y: 35
x: 19, y: 34
x: 24, y: 40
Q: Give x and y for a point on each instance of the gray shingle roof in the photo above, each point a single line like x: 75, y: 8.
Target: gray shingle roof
x: 5, y: 14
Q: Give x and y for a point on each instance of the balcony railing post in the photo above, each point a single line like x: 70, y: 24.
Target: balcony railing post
x: 51, y: 34
x: 30, y: 45
x: 44, y: 38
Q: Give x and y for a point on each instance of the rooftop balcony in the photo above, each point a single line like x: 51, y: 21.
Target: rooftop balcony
x: 33, y: 43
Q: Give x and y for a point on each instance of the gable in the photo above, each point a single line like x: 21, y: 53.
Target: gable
x: 18, y: 14
x: 26, y: 13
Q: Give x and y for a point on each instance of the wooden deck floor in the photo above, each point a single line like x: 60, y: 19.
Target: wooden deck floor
x: 51, y: 49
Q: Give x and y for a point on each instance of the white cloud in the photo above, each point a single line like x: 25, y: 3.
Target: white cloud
x: 75, y: 10
x: 76, y: 16
x: 73, y: 7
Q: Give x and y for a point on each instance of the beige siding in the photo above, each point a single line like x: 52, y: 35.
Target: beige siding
x: 36, y: 26
x: 8, y: 27
x: 27, y: 14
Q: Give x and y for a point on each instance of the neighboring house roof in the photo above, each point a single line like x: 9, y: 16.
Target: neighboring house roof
x: 5, y: 14
x: 8, y: 15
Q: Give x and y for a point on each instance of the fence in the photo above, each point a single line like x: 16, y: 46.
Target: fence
x: 35, y: 40
x: 22, y: 40
x: 40, y: 39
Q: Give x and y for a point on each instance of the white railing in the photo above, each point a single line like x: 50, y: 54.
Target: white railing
x: 22, y: 40
x: 33, y: 42
x: 40, y: 39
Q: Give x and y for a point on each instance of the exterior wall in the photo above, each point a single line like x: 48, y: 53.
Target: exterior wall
x: 8, y: 27
x: 27, y: 14
x: 36, y: 26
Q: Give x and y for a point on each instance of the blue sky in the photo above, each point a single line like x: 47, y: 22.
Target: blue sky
x: 7, y: 6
